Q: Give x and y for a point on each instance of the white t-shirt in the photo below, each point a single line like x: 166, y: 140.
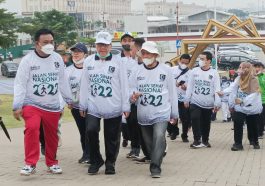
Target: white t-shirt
x: 202, y: 88
x: 104, y: 89
x: 158, y: 102
x: 38, y: 82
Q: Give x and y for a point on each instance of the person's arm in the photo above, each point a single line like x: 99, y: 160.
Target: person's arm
x: 190, y: 87
x: 84, y: 91
x: 173, y: 96
x: 20, y: 87
x: 217, y: 88
x: 64, y: 86
x: 124, y: 88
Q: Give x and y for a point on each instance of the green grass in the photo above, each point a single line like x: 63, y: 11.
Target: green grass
x: 7, y: 114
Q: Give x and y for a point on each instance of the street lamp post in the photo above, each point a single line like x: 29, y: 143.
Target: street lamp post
x: 215, y: 45
x: 177, y: 23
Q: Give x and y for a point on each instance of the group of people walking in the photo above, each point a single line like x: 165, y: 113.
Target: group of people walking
x: 133, y: 93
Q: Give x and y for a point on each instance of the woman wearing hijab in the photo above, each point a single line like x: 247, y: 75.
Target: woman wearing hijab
x: 245, y: 101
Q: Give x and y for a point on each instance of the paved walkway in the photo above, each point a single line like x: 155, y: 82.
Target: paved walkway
x: 217, y: 166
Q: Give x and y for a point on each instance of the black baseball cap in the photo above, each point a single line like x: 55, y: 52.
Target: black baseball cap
x: 81, y: 47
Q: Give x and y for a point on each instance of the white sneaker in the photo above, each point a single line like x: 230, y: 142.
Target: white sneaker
x: 27, y: 170
x: 55, y: 169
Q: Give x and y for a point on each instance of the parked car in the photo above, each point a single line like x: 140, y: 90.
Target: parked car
x: 227, y: 62
x: 116, y: 50
x: 9, y: 68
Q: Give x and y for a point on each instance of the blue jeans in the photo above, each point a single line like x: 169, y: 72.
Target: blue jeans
x: 155, y: 141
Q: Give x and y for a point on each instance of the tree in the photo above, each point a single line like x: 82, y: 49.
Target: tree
x: 90, y: 42
x: 8, y: 28
x: 60, y: 23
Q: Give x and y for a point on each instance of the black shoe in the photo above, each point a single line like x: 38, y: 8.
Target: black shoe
x: 256, y: 145
x: 124, y: 143
x: 224, y: 121
x: 251, y: 142
x: 173, y: 136
x: 110, y: 169
x: 143, y: 160
x: 185, y: 140
x: 155, y: 175
x: 229, y: 119
x: 236, y: 147
x: 94, y: 168
x: 84, y: 160
x: 207, y: 144
x: 196, y: 145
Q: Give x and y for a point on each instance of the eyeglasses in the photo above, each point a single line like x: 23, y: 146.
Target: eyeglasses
x: 102, y: 45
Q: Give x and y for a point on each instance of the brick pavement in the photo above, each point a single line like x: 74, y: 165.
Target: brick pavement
x: 217, y: 166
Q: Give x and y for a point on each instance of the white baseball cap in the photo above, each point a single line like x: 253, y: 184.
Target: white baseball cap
x: 151, y: 47
x: 103, y: 37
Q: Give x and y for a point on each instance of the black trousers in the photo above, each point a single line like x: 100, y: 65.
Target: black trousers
x: 112, y: 134
x: 81, y: 125
x: 133, y: 127
x: 252, y: 126
x: 261, y: 122
x: 201, y: 122
x: 184, y: 115
x: 125, y: 131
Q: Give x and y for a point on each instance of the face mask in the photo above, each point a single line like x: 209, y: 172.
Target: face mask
x: 47, y: 49
x: 201, y: 63
x: 103, y: 57
x: 78, y: 62
x: 182, y: 66
x: 148, y: 62
x: 126, y: 47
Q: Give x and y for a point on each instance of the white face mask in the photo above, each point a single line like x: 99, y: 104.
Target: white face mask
x: 78, y: 62
x: 147, y: 61
x: 201, y: 63
x: 47, y: 49
x: 182, y: 66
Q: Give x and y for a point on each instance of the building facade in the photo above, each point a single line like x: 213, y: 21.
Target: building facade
x: 108, y: 12
x: 164, y: 8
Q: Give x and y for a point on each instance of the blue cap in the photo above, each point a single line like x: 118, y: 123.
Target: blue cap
x: 81, y: 47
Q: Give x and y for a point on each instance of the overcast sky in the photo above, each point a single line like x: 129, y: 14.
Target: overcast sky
x: 15, y: 5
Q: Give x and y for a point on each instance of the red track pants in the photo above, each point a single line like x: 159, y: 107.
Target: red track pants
x: 33, y: 116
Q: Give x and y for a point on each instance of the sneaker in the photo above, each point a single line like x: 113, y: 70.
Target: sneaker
x: 134, y: 153
x: 84, y: 160
x: 237, y: 147
x: 207, y: 144
x: 27, y: 170
x: 196, y: 145
x: 155, y: 175
x: 143, y: 160
x: 124, y: 143
x: 55, y: 169
x: 94, y: 168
